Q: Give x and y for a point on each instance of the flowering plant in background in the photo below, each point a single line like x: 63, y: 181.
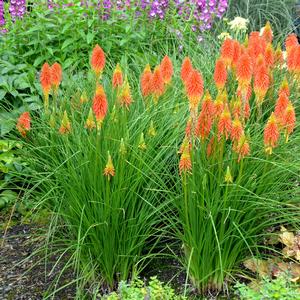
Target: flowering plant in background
x: 235, y: 141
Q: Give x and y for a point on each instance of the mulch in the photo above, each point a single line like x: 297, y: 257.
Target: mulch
x: 23, y: 276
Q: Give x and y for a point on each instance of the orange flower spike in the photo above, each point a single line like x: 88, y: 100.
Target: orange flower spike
x: 167, y: 71
x: 117, y: 79
x: 291, y: 59
x: 236, y: 130
x: 90, y: 122
x: 289, y: 120
x: 98, y: 60
x: 99, y: 105
x: 158, y: 85
x: 218, y: 105
x: 281, y: 105
x: 220, y: 74
x: 237, y: 107
x: 204, y: 125
x: 194, y: 89
x: 227, y: 51
x: 297, y: 61
x: 243, y: 147
x: 284, y: 88
x: 125, y: 96
x: 208, y: 105
x: 269, y: 55
x: 65, y: 127
x: 23, y: 124
x: 290, y: 42
x: 45, y: 79
x: 268, y: 33
x: 261, y: 83
x: 244, y: 71
x: 224, y: 124
x: 109, y: 170
x: 271, y: 134
x: 236, y: 53
x: 186, y: 69
x: 56, y: 76
x: 146, y: 82
x: 185, y: 163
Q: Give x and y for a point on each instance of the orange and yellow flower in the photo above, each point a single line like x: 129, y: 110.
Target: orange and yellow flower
x: 220, y: 74
x: 242, y: 148
x: 185, y: 163
x: 236, y: 130
x: 158, y: 85
x: 244, y: 71
x: 99, y: 105
x: 166, y: 67
x: 291, y: 41
x: 186, y: 69
x: 261, y: 83
x: 98, y: 60
x: 224, y: 124
x: 146, y: 82
x: 267, y: 33
x: 90, y: 122
x: 56, y: 76
x: 194, y: 88
x: 65, y: 127
x: 227, y: 51
x: 281, y: 105
x: 271, y: 134
x: 125, y: 97
x: 23, y: 124
x: 289, y: 120
x: 45, y: 79
x: 117, y: 79
x: 109, y: 170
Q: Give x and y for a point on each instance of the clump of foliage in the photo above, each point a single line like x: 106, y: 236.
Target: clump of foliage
x: 280, y: 288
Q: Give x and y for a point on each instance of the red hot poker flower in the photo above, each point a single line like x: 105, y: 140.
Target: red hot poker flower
x: 242, y: 147
x: 224, y: 124
x: 220, y: 74
x: 125, y: 96
x: 99, y: 105
x: 268, y: 33
x: 23, y: 124
x: 185, y: 163
x: 98, y: 60
x: 158, y: 84
x: 261, y: 83
x: 166, y: 67
x: 45, y: 79
x: 281, y: 105
x: 236, y: 130
x: 227, y: 51
x: 146, y: 82
x: 56, y: 75
x: 109, y: 170
x: 289, y: 120
x: 271, y: 134
x: 290, y: 42
x: 244, y: 71
x: 194, y: 88
x: 65, y: 127
x: 186, y: 69
x: 117, y: 79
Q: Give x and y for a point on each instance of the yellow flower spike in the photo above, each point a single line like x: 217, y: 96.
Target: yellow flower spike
x: 84, y: 98
x: 109, y: 169
x: 142, y: 144
x: 65, y: 127
x: 90, y: 122
x: 228, y: 177
x: 152, y: 131
x: 122, y: 149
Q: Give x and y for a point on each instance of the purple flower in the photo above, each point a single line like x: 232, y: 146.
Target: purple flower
x: 2, y: 19
x: 17, y: 9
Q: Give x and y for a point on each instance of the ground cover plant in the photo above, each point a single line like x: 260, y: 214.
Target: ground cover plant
x: 103, y: 158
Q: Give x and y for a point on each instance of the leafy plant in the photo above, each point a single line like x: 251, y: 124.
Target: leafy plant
x: 279, y: 288
x: 137, y: 290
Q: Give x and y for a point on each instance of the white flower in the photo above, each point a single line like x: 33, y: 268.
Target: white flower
x: 224, y: 36
x: 239, y: 24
